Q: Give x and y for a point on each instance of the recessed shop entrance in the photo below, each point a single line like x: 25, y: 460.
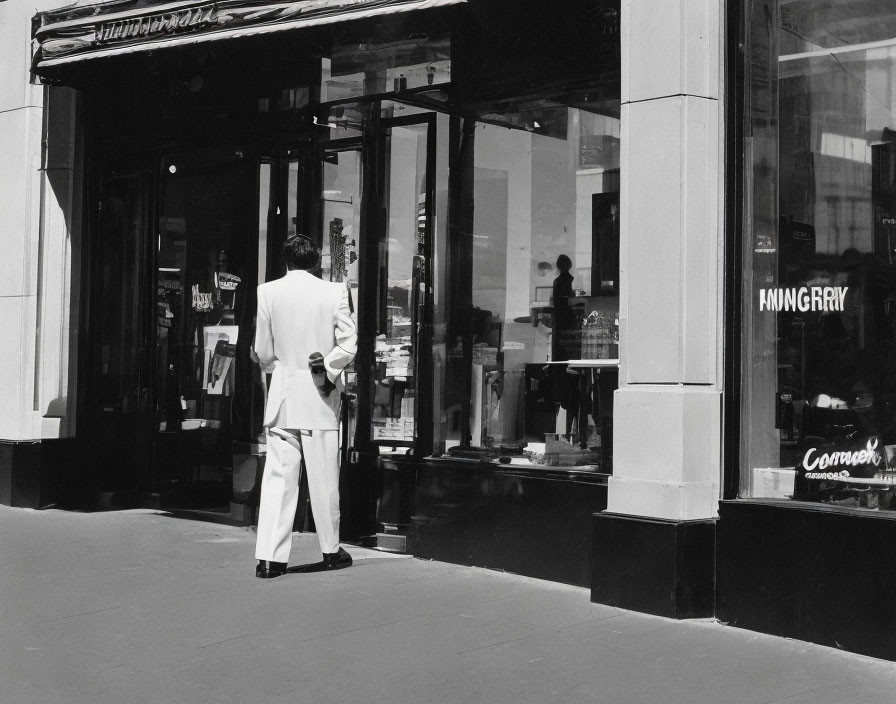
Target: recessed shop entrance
x: 208, y: 396
x: 174, y: 265
x: 180, y: 243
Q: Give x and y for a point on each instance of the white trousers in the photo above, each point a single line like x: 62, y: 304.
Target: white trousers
x: 280, y: 490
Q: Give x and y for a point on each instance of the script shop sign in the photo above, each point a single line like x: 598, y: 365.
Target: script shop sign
x: 155, y: 25
x: 846, y: 465
x: 833, y: 462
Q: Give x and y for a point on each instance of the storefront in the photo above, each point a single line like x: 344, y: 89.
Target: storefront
x: 458, y: 163
x: 713, y: 434
x: 803, y: 543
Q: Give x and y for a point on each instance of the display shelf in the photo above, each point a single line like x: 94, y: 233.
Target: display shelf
x: 588, y: 363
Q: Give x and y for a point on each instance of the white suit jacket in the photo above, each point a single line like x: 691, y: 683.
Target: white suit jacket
x: 298, y: 315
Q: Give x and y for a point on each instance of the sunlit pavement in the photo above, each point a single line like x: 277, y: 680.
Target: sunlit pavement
x: 139, y: 606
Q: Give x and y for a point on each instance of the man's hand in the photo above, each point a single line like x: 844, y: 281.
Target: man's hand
x: 319, y: 374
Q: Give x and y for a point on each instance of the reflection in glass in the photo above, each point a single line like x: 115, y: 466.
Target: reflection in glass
x: 403, y: 279
x: 342, y: 121
x: 293, y: 183
x: 821, y: 414
x: 341, y: 207
x: 385, y: 64
x: 341, y: 183
x: 121, y: 336
x: 205, y: 286
x: 120, y: 395
x: 543, y: 319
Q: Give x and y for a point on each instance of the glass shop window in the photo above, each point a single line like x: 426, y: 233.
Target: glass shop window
x: 210, y: 394
x: 819, y: 351
x: 541, y: 336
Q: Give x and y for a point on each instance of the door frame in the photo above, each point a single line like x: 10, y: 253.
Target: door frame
x: 373, y: 233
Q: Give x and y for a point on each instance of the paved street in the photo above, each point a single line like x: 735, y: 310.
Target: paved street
x: 139, y: 606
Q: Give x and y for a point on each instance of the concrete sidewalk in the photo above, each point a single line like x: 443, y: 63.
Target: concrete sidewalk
x: 138, y: 606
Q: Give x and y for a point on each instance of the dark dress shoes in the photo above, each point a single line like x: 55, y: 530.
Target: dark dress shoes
x: 337, y: 560
x: 268, y: 570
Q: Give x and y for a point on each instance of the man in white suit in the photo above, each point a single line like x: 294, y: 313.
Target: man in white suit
x: 301, y: 318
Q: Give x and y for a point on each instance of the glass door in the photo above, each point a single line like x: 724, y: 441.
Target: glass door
x: 339, y: 213
x: 375, y: 208
x: 206, y: 270
x: 400, y: 285
x: 376, y: 185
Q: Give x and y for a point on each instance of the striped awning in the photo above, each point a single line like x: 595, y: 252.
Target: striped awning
x: 86, y: 31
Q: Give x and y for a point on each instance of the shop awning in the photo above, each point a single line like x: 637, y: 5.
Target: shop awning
x: 84, y: 31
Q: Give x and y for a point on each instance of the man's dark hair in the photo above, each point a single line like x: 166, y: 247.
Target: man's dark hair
x: 300, y: 253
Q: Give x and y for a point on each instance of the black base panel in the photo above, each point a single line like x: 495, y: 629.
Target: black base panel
x: 357, y: 500
x: 810, y: 572
x: 395, y: 489
x: 653, y: 565
x: 187, y: 495
x: 476, y: 514
x: 37, y: 474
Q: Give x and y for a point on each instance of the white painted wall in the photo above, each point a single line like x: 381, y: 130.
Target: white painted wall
x: 667, y: 426
x: 35, y: 267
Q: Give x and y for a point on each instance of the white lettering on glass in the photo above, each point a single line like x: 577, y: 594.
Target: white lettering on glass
x: 829, y: 299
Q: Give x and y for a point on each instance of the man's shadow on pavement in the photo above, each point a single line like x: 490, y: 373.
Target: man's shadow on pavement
x: 305, y: 569
x: 340, y: 563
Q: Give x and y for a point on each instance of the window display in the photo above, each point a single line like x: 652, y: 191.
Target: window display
x: 542, y: 331
x: 819, y: 402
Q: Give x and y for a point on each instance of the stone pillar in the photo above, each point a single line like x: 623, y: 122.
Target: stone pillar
x: 60, y: 268
x: 21, y: 126
x: 653, y: 548
x: 667, y: 425
x: 39, y: 187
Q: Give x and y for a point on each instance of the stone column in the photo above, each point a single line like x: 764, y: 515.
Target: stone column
x: 667, y: 426
x: 21, y: 126
x: 60, y: 256
x: 653, y: 547
x: 39, y: 187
